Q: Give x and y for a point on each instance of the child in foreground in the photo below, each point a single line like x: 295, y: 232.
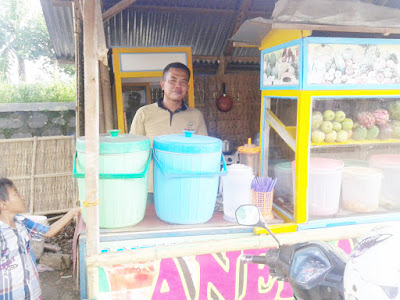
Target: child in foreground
x: 19, y: 277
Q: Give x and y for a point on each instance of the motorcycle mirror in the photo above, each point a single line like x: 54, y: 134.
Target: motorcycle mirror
x: 248, y: 215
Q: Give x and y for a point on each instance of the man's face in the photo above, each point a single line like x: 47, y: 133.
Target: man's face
x: 15, y: 203
x: 175, y: 84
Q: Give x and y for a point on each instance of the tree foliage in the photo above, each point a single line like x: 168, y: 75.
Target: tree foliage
x: 37, y: 92
x: 23, y: 36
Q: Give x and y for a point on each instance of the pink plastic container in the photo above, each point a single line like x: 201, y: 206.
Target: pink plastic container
x: 324, y: 184
x: 390, y: 166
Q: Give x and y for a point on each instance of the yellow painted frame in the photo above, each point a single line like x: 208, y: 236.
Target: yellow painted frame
x: 303, y: 135
x: 118, y: 75
x: 304, y: 97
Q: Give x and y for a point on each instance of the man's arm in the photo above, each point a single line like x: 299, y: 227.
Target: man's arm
x: 137, y: 126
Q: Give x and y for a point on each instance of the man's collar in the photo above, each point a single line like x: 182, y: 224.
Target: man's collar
x: 161, y: 105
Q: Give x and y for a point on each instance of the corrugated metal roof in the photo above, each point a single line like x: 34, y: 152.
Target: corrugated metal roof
x: 206, y: 25
x: 60, y: 24
x: 206, y: 34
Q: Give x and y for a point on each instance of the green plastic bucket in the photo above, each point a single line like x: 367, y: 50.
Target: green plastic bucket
x: 123, y: 170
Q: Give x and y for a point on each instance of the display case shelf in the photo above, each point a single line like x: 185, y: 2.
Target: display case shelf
x: 354, y: 142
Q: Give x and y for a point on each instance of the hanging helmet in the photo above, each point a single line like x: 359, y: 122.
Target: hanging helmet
x: 373, y: 269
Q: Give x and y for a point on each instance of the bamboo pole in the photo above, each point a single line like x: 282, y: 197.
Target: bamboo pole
x: 105, y: 85
x: 231, y: 244
x: 90, y: 30
x: 34, y: 148
x: 77, y: 17
x: 101, y: 106
x: 107, y: 99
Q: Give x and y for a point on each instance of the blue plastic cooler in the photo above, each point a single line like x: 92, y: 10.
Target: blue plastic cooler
x: 186, y: 177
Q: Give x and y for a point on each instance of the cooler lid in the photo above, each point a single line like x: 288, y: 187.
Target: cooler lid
x: 115, y: 143
x: 187, y: 143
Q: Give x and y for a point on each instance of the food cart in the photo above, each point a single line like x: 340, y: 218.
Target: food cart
x: 158, y: 260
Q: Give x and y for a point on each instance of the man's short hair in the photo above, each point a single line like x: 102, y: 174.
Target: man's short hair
x: 5, y: 183
x: 176, y: 65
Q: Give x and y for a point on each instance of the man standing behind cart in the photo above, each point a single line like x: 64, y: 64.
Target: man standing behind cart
x: 170, y: 115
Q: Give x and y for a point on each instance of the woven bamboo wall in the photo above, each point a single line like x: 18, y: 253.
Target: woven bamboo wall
x: 243, y: 120
x: 41, y: 169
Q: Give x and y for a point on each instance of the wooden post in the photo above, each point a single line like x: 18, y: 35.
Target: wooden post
x: 77, y: 14
x: 90, y: 36
x: 105, y: 85
x: 101, y: 106
x: 107, y: 100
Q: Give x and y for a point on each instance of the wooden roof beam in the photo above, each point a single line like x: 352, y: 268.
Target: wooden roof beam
x: 117, y: 8
x: 254, y: 13
x: 242, y: 14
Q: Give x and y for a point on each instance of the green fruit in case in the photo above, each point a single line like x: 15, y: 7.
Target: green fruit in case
x: 330, y: 137
x: 316, y: 120
x: 336, y: 126
x: 350, y: 133
x: 340, y: 116
x: 395, y: 129
x: 342, y: 136
x: 359, y: 133
x: 317, y: 136
x: 329, y: 115
x: 347, y: 124
x: 372, y: 133
x: 326, y: 126
x: 394, y: 109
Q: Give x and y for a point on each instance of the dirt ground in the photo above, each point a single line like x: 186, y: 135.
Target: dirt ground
x: 60, y: 284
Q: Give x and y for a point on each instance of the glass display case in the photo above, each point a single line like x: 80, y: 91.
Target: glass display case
x: 331, y: 129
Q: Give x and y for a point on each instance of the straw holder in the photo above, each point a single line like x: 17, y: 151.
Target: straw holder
x: 263, y: 200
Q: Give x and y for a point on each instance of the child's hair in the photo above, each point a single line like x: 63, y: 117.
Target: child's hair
x: 5, y: 183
